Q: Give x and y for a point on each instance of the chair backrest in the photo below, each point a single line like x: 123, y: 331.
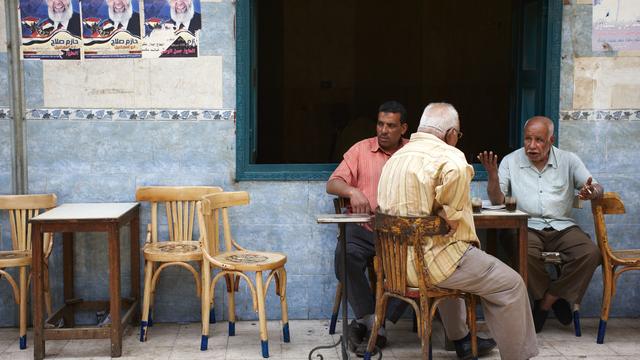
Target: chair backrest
x: 211, y: 207
x: 21, y: 209
x: 609, y: 204
x: 180, y: 205
x: 394, y: 235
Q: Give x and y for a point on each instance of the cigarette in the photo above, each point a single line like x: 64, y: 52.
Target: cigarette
x: 589, y: 191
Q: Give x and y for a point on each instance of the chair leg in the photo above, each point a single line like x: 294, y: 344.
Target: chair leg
x: 231, y: 296
x: 336, y: 309
x: 470, y: 302
x: 607, y: 294
x: 425, y: 310
x: 282, y: 280
x: 262, y: 316
x: 205, y: 303
x: 146, y: 300
x: 23, y: 307
x: 576, y: 320
x: 381, y: 310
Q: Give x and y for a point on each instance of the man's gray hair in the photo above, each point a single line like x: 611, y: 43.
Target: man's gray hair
x: 438, y: 117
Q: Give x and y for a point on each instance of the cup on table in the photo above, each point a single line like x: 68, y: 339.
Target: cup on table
x: 476, y: 205
x: 510, y: 202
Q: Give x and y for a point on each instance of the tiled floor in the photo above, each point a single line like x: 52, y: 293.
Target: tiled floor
x: 182, y: 341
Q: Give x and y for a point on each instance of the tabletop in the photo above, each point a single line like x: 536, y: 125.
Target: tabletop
x: 86, y: 211
x: 343, y: 218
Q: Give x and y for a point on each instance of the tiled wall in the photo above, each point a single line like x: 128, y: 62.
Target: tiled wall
x: 93, y: 138
x: 600, y: 121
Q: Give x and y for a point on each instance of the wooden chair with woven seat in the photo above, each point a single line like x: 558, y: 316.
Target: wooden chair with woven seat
x: 234, y: 262
x: 614, y: 262
x: 340, y: 205
x: 179, y: 249
x: 21, y: 208
x: 394, y: 236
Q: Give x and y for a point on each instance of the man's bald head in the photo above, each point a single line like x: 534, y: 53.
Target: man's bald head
x: 538, y: 139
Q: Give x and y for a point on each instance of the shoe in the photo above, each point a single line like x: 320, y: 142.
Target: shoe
x: 357, y: 333
x: 539, y: 316
x: 381, y: 341
x: 463, y: 347
x: 562, y: 311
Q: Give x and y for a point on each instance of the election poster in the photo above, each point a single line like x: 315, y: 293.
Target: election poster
x: 50, y: 29
x: 172, y: 28
x: 111, y: 29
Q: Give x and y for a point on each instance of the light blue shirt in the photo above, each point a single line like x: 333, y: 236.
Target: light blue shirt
x: 546, y: 195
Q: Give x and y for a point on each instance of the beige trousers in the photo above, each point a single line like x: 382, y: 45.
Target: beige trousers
x: 504, y: 301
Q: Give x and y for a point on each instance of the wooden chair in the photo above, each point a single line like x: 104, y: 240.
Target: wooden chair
x: 340, y: 205
x: 21, y: 208
x: 234, y: 262
x: 614, y: 262
x: 394, y: 236
x: 179, y: 249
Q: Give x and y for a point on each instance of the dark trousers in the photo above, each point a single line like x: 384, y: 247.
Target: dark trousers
x: 360, y: 252
x: 580, y: 258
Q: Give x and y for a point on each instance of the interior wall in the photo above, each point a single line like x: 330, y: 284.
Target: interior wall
x: 336, y: 62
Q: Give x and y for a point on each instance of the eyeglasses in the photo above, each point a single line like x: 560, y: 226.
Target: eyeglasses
x: 457, y: 131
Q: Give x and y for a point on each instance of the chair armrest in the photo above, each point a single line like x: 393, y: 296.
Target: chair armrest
x: 236, y: 245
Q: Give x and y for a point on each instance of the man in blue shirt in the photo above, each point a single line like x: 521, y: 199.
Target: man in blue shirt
x: 544, y: 179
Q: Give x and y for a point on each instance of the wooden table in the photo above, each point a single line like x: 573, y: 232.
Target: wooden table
x: 342, y: 219
x: 98, y: 217
x: 503, y: 219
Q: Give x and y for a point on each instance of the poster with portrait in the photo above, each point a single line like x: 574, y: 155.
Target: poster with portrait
x: 50, y: 29
x: 111, y: 29
x: 172, y: 28
x: 616, y: 25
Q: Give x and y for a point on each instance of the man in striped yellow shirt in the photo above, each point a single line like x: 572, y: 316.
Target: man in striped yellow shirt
x: 429, y: 176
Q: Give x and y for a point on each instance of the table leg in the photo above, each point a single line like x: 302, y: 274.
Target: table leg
x: 114, y: 290
x: 523, y: 245
x: 345, y: 325
x: 37, y: 265
x: 134, y: 230
x: 67, y: 268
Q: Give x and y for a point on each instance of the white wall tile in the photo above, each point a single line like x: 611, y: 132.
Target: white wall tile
x: 606, y: 83
x: 134, y: 83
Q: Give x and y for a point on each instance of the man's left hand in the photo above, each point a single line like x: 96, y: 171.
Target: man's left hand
x: 588, y: 190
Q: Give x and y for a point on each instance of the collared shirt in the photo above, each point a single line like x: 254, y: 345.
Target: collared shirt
x: 419, y: 179
x: 546, y: 195
x: 361, y: 167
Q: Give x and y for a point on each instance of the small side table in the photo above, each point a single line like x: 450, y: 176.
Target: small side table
x: 87, y: 217
x: 342, y: 219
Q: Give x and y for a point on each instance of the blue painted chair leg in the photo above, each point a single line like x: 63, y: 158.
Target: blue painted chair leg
x: 601, y: 329
x: 576, y: 323
x: 143, y: 330
x: 265, y: 348
x: 23, y: 342
x: 285, y: 333
x: 332, y: 325
x: 212, y: 316
x: 150, y: 321
x: 232, y: 328
x: 204, y: 343
x: 367, y: 355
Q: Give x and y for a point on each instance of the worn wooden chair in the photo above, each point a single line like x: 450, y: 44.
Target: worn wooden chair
x: 394, y: 236
x: 340, y: 205
x: 614, y: 262
x: 234, y: 262
x: 179, y: 249
x: 21, y: 208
